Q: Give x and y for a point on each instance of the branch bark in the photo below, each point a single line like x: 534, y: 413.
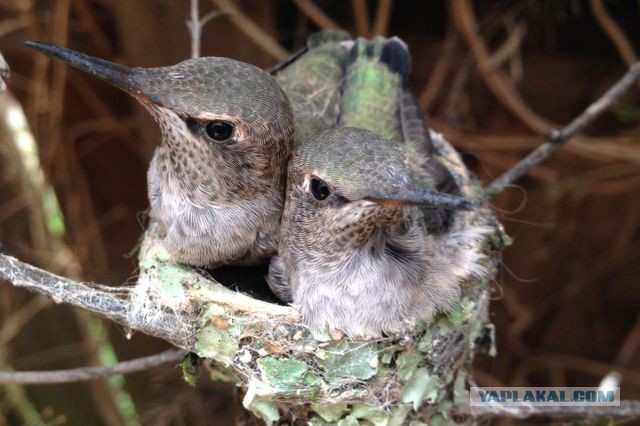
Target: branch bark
x: 108, y: 302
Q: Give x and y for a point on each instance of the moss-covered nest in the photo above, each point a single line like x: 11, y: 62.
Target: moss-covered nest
x: 288, y: 373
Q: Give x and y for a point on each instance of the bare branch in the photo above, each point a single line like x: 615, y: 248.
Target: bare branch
x: 321, y: 19
x: 195, y: 29
x: 362, y: 17
x: 195, y: 25
x: 498, y: 83
x: 556, y: 138
x: 383, y: 16
x: 92, y: 373
x: 626, y: 409
x: 252, y: 30
x: 615, y: 33
x: 109, y: 302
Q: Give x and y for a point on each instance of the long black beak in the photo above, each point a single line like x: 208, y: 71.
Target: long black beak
x: 424, y: 197
x: 118, y: 75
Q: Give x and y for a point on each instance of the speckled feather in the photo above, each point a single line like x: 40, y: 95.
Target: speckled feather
x: 216, y: 202
x: 362, y: 267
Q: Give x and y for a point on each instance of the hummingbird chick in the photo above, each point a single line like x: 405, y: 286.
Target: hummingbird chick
x: 355, y: 254
x: 366, y: 246
x: 217, y: 179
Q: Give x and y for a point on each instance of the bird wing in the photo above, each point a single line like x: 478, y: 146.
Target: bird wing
x: 312, y: 80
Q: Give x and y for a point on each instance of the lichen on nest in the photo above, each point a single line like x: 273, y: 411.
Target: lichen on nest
x: 286, y: 369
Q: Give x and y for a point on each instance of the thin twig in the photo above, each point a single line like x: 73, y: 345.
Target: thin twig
x: 317, y: 15
x: 509, y: 48
x: 497, y: 82
x: 626, y: 409
x: 615, y: 33
x: 440, y: 70
x: 195, y: 25
x: 14, y: 24
x: 252, y: 30
x: 195, y: 29
x: 557, y: 138
x: 92, y: 373
x: 15, y: 322
x: 383, y: 16
x: 362, y: 17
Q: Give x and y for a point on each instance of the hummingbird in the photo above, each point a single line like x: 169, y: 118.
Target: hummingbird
x: 216, y: 181
x: 365, y: 248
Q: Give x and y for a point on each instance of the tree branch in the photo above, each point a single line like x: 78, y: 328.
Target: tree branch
x: 556, y: 138
x: 112, y: 303
x: 317, y: 15
x: 252, y: 30
x: 361, y: 16
x: 498, y: 83
x: 92, y: 373
x: 195, y: 25
x: 383, y: 16
x: 615, y: 33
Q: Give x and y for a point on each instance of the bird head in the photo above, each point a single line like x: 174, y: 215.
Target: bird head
x: 217, y: 116
x: 351, y: 181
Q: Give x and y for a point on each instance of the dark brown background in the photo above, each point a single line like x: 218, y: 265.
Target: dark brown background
x: 566, y: 300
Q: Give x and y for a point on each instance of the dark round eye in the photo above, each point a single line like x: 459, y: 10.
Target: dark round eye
x: 319, y: 189
x: 219, y: 130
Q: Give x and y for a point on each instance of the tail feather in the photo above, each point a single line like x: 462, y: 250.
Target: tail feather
x: 392, y: 52
x: 395, y: 54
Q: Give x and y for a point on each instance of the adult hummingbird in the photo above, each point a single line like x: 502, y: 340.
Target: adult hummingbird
x: 364, y: 248
x: 217, y: 179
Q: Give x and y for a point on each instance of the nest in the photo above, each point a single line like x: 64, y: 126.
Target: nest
x: 288, y: 371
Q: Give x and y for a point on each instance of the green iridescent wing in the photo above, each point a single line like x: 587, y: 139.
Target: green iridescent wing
x: 374, y: 97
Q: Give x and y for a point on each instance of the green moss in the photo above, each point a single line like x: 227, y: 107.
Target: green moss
x: 216, y: 344
x: 362, y: 412
x: 399, y: 415
x: 287, y: 375
x: 407, y: 364
x: 420, y: 388
x: 331, y: 412
x: 347, y: 360
x: 266, y: 410
x: 462, y: 312
x: 171, y: 276
x: 190, y: 369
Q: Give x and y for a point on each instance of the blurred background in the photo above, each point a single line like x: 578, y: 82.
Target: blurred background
x: 492, y: 76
